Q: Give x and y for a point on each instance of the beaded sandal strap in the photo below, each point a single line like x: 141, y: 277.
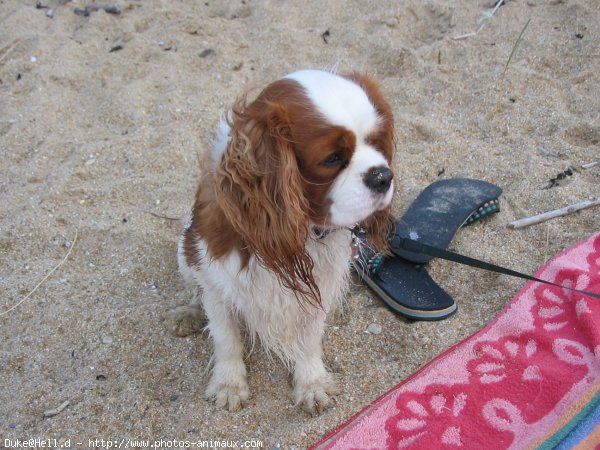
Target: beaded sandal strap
x: 493, y: 206
x: 374, y: 263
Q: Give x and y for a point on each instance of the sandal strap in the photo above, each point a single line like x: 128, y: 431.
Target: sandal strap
x: 493, y: 206
x: 374, y: 262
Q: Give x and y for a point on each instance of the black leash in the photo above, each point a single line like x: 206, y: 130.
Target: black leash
x: 418, y: 247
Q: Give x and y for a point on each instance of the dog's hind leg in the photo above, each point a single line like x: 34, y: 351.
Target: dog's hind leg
x: 187, y: 319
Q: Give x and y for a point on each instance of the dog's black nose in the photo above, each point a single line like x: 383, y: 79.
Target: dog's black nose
x: 379, y: 179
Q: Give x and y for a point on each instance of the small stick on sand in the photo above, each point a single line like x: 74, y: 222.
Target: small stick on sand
x: 589, y: 165
x: 45, y: 278
x: 521, y: 223
x: 56, y: 411
x: 161, y: 216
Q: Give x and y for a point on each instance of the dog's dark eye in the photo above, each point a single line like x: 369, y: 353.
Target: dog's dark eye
x: 335, y: 159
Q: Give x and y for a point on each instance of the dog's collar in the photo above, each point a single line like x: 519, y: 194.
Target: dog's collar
x: 321, y: 233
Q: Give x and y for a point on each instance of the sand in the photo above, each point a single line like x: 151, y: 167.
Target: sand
x: 104, y: 117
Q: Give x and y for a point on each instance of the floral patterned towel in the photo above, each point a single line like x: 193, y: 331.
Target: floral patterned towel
x: 529, y: 379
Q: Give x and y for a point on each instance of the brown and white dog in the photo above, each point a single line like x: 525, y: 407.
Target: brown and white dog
x: 268, y: 242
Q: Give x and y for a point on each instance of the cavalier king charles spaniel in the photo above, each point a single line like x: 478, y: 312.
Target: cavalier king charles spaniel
x: 269, y: 241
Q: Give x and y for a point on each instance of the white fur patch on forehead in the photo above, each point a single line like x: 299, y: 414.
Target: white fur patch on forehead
x: 340, y: 100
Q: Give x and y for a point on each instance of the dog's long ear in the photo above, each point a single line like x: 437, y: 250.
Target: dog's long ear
x: 259, y: 189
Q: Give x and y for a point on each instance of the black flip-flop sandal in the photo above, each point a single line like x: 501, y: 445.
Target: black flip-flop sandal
x: 440, y: 210
x: 405, y: 286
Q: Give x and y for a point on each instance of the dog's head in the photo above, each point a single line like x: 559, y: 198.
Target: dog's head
x: 314, y: 149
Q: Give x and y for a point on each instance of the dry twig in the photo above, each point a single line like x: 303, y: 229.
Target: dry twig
x: 521, y: 223
x: 161, y: 216
x: 58, y: 410
x: 43, y: 279
x: 589, y: 165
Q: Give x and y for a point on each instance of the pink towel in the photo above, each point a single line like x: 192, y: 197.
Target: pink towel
x: 526, y: 380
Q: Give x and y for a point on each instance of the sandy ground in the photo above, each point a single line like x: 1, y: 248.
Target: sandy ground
x: 103, y: 119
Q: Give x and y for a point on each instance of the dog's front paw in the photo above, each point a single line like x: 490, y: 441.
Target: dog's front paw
x: 230, y: 396
x: 316, y: 397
